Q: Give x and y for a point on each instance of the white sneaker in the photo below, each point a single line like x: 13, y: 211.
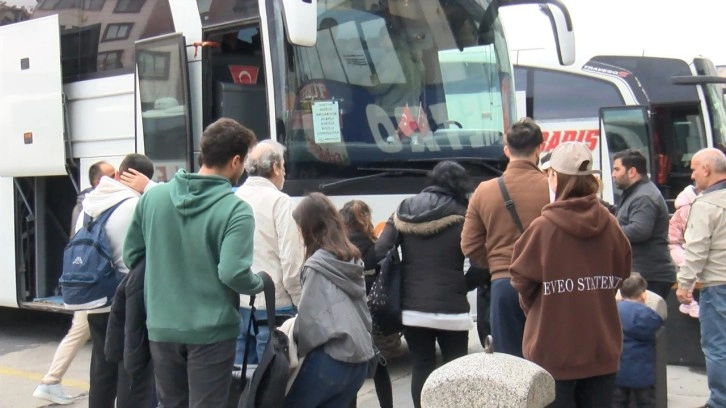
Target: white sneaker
x: 53, y: 393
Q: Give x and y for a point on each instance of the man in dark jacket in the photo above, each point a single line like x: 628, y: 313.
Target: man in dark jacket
x: 643, y: 215
x: 636, y: 376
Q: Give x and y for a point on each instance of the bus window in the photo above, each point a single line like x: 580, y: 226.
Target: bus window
x: 97, y: 36
x: 563, y: 96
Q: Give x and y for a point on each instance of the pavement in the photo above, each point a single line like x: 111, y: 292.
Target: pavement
x: 28, y: 341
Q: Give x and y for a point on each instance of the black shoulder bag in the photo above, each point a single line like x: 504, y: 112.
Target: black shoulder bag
x: 384, y: 299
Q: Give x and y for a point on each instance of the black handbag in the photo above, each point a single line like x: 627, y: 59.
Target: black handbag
x: 384, y: 299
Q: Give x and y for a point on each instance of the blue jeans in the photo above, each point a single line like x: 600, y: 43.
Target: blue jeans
x: 506, y: 318
x: 263, y: 336
x: 713, y: 341
x: 324, y: 382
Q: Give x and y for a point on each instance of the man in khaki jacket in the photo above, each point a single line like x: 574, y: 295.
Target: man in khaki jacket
x: 490, y: 230
x: 705, y: 262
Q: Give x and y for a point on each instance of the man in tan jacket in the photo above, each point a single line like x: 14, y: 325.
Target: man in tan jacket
x: 705, y: 262
x: 490, y: 229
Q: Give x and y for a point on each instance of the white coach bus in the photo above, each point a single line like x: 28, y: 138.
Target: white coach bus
x: 367, y: 95
x: 666, y: 107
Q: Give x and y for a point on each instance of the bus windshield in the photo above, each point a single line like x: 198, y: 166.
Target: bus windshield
x: 396, y: 84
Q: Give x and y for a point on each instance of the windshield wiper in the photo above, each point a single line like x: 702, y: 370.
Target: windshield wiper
x: 379, y: 172
x: 482, y: 162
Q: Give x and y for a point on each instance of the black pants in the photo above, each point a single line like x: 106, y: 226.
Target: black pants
x: 422, y: 348
x: 662, y: 289
x: 191, y: 375
x: 644, y: 397
x: 483, y: 303
x: 507, y: 318
x: 593, y: 392
x: 384, y: 391
x: 109, y: 381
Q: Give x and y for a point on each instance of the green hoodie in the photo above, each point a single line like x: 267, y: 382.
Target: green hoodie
x: 196, y: 236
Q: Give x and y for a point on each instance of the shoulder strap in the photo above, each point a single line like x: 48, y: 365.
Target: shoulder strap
x: 251, y: 327
x: 101, y: 220
x: 509, y: 204
x: 269, y: 290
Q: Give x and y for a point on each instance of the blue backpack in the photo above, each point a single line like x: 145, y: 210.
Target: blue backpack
x: 90, y: 277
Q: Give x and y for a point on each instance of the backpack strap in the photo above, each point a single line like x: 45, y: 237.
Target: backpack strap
x: 509, y: 204
x: 101, y: 220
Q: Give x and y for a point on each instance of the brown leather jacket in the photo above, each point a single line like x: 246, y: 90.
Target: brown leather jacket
x: 489, y: 233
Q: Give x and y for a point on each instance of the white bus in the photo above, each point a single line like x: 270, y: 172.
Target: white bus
x: 666, y: 107
x: 367, y: 95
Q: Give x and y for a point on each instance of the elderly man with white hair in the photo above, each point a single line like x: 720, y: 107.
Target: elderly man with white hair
x: 705, y: 262
x: 278, y: 247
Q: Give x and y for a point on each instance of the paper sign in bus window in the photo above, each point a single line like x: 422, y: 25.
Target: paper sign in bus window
x: 326, y: 122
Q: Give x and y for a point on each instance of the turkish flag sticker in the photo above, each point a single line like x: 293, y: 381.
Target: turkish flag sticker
x: 407, y: 124
x: 244, y: 74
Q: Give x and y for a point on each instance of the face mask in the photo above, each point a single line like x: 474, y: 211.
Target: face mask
x: 552, y: 194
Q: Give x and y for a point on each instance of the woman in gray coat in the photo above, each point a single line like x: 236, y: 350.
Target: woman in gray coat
x: 333, y: 325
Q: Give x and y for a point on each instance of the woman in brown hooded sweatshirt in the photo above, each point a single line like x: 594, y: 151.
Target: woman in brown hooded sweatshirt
x: 566, y: 268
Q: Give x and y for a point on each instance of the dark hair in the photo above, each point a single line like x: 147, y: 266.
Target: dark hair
x: 452, y: 177
x: 357, y: 217
x: 632, y: 158
x: 138, y: 162
x: 224, y: 139
x: 634, y: 286
x: 322, y: 227
x: 524, y: 137
x: 94, y: 172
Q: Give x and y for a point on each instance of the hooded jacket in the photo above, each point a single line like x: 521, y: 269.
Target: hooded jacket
x: 333, y: 312
x: 197, y: 240
x: 566, y: 267
x: 637, y: 362
x: 433, y: 288
x: 677, y: 224
x: 108, y: 193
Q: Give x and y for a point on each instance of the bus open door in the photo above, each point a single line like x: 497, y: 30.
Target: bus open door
x: 36, y: 151
x: 622, y: 128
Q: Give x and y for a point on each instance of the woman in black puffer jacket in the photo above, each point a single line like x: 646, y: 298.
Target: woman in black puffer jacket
x: 433, y: 288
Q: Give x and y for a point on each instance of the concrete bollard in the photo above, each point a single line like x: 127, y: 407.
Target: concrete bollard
x: 488, y: 379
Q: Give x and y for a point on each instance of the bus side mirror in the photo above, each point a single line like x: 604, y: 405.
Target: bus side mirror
x: 562, y: 29
x: 561, y: 23
x: 301, y: 21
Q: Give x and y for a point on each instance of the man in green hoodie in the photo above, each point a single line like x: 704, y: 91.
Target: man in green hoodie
x: 197, y: 240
